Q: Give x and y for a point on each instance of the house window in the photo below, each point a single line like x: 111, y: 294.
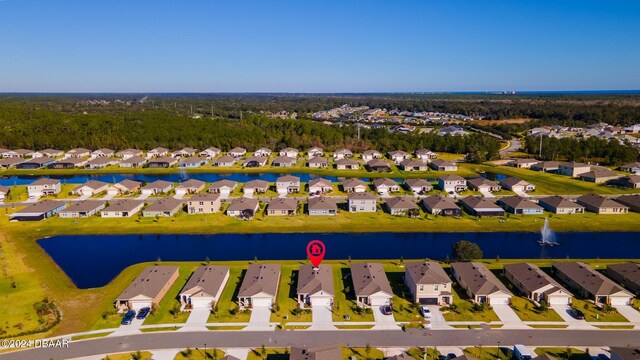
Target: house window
x: 435, y: 287
x: 421, y: 288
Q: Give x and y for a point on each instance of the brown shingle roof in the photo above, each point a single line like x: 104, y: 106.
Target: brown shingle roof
x: 149, y: 283
x: 531, y: 277
x: 518, y: 202
x: 283, y: 204
x: 478, y: 279
x: 591, y: 280
x: 311, y: 280
x: 599, y: 201
x: 260, y: 278
x: 316, y: 353
x: 427, y: 272
x: 206, y: 280
x: 369, y: 278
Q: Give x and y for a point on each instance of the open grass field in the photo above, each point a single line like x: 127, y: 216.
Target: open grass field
x: 287, y: 296
x: 139, y: 355
x: 526, y: 310
x: 593, y: 314
x: 464, y: 309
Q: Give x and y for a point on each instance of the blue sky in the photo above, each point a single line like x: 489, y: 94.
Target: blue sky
x: 318, y: 46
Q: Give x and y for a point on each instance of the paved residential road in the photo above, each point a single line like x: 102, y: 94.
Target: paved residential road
x: 360, y: 338
x: 514, y: 145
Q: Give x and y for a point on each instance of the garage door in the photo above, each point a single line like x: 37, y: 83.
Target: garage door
x: 619, y: 301
x: 499, y: 300
x: 261, y: 301
x: 380, y: 300
x: 201, y: 302
x: 558, y: 300
x: 428, y: 301
x: 321, y: 300
x: 137, y: 305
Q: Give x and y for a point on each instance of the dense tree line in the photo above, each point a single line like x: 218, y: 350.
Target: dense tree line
x: 609, y: 152
x: 26, y: 127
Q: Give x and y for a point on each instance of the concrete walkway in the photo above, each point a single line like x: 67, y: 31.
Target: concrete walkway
x: 169, y: 354
x: 630, y: 313
x: 437, y: 320
x: 260, y: 319
x: 197, y: 320
x: 240, y: 353
x: 322, y: 318
x: 509, y: 317
x: 383, y: 322
x: 487, y: 194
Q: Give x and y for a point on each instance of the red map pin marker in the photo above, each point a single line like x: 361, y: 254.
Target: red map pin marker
x: 316, y: 251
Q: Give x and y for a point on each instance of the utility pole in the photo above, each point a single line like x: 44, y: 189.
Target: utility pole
x: 540, y: 155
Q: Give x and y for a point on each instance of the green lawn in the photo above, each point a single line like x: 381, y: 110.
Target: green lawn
x: 403, y: 308
x: 464, y: 310
x: 199, y: 354
x: 592, y: 313
x: 140, y: 355
x: 287, y: 296
x: 420, y: 352
x: 362, y: 353
x: 526, y: 310
x: 228, y: 303
x: 488, y: 353
x: 268, y: 354
x: 564, y: 353
x: 344, y: 300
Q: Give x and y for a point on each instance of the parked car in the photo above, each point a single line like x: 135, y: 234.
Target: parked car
x: 143, y: 313
x: 128, y: 317
x: 386, y: 309
x: 577, y: 314
x: 602, y: 357
x: 425, y: 312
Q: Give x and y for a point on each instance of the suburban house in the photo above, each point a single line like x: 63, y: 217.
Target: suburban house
x: 629, y: 182
x: 453, y: 183
x: 210, y: 153
x: 591, y: 284
x: 368, y: 155
x: 546, y: 166
x: 378, y: 165
x: 244, y: 208
x: 315, y: 286
x: 69, y: 163
x: 482, y: 184
x: 317, y: 353
x: 157, y: 152
x: 573, y: 169
x: 370, y: 284
x: 315, y: 152
x: 133, y: 162
x: 342, y: 154
x: 413, y: 165
x: 43, y: 187
x: 4, y: 191
x: 255, y: 187
x: 6, y: 163
x: 122, y: 208
x: 347, y: 164
x: 91, y: 187
x: 224, y: 161
x: 204, y: 287
x: 320, y: 186
x: 480, y: 284
x: 440, y: 205
x: 418, y: 186
x: 284, y: 161
x: 402, y: 206
x: 162, y: 162
x: 318, y: 206
x: 601, y: 205
x: 521, y: 206
x: 129, y: 153
x: 165, y: 207
x: 82, y: 209
x: 599, y: 176
x: 157, y: 187
x: 350, y: 185
x: 259, y: 286
x: 125, y: 186
x: 262, y: 152
x: 536, y: 285
x: 38, y: 211
x: 385, y: 185
x: 627, y: 275
x: 223, y: 187
x: 191, y: 162
x: 287, y: 184
x: 479, y: 206
x: 631, y: 167
x: 522, y: 163
x: 428, y: 283
x: 148, y: 288
x: 282, y: 207
x: 237, y: 152
x: 191, y: 186
x: 206, y: 203
x: 255, y: 161
x: 361, y: 202
x: 318, y: 162
x: 559, y: 205
x: 36, y: 163
x: 425, y: 155
x: 101, y: 162
x: 624, y: 353
x: 516, y: 185
x: 79, y: 152
x: 104, y: 152
x: 632, y: 201
x: 52, y: 153
x: 398, y: 156
x: 443, y: 165
x: 184, y: 152
x: 289, y: 152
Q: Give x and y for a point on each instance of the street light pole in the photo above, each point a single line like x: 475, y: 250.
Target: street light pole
x: 205, y: 351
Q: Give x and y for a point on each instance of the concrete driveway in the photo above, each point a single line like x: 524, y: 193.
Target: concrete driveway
x: 508, y: 317
x: 260, y: 319
x: 133, y: 328
x: 564, y: 312
x: 197, y: 320
x: 487, y: 194
x: 321, y: 318
x: 383, y: 322
x: 143, y: 196
x: 437, y: 319
x: 630, y: 313
x: 108, y: 197
x: 521, y: 194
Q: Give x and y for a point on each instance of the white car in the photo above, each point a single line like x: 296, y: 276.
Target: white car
x: 425, y: 312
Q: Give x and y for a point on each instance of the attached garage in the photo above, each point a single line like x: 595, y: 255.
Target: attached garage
x: 619, y: 300
x: 379, y: 299
x: 558, y: 300
x: 139, y: 304
x: 499, y: 300
x: 261, y: 301
x: 321, y: 300
x: 428, y: 301
x: 201, y: 302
